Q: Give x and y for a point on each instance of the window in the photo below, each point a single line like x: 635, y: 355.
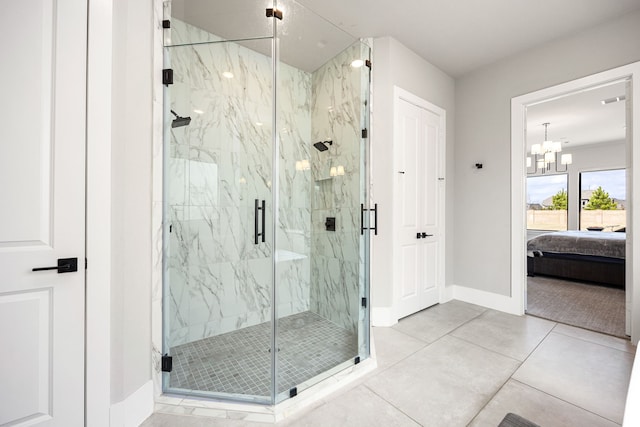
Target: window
x: 602, y: 200
x: 547, y: 202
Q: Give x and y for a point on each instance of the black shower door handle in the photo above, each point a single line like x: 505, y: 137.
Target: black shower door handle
x: 375, y: 218
x: 264, y: 215
x: 257, y: 208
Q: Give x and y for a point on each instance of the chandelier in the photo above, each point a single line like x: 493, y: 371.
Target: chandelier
x: 543, y: 156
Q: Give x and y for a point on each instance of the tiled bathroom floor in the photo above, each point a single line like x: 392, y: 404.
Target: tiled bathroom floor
x: 458, y: 364
x: 240, y: 361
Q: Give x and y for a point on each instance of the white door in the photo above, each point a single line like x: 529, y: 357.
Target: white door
x: 42, y: 185
x: 418, y: 220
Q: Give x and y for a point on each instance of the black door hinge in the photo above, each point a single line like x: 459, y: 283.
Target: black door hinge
x: 86, y: 263
x: 167, y: 363
x: 367, y: 63
x: 166, y: 23
x: 274, y: 13
x: 365, y: 133
x: 167, y: 76
x: 364, y: 302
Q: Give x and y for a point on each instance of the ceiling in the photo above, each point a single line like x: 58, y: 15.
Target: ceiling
x: 460, y: 36
x: 306, y: 41
x: 579, y: 119
x: 455, y: 36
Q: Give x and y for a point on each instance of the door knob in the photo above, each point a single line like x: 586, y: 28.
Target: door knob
x: 65, y: 265
x: 418, y: 236
x: 425, y: 235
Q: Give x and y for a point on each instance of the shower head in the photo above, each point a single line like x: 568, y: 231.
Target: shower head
x: 179, y: 121
x: 322, y: 145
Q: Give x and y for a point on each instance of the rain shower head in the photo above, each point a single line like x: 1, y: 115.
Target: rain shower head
x: 179, y: 121
x: 322, y: 145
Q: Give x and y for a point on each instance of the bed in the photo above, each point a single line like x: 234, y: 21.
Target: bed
x: 591, y: 256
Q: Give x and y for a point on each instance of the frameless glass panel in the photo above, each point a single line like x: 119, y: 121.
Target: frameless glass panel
x: 320, y: 187
x: 227, y: 167
x: 217, y: 20
x: 603, y: 200
x: 218, y: 169
x: 367, y: 226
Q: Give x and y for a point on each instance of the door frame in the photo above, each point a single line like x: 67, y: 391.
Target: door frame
x: 398, y: 95
x: 518, y: 181
x: 98, y: 213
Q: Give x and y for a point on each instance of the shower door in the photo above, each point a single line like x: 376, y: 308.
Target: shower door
x: 321, y: 252
x: 266, y: 240
x: 219, y: 269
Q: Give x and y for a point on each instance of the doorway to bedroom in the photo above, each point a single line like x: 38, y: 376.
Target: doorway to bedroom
x: 576, y: 208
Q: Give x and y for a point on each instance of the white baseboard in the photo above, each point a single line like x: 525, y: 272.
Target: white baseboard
x: 383, y: 317
x: 486, y: 299
x: 136, y: 408
x: 446, y: 294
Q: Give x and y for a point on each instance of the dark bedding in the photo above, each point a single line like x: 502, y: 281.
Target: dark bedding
x: 588, y: 256
x: 589, y: 243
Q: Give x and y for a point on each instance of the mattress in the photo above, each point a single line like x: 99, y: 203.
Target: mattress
x: 587, y: 243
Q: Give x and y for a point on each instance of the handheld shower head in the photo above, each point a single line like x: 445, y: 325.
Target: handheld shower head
x: 322, y: 145
x: 179, y: 121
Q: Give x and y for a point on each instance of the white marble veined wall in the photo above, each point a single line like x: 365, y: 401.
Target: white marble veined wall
x: 219, y: 280
x: 336, y: 114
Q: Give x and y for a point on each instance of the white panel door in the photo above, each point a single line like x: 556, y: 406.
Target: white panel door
x: 419, y: 234
x: 42, y: 219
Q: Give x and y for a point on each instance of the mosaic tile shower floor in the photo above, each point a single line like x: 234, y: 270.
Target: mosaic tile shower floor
x: 240, y: 361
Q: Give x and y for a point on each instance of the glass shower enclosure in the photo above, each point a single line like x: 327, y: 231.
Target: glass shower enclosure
x: 265, y: 177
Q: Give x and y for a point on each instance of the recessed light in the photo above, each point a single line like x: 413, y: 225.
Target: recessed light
x: 227, y: 74
x: 198, y: 111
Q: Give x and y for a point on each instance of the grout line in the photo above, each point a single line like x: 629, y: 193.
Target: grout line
x: 565, y: 401
x: 551, y: 331
x: 539, y: 343
x: 195, y: 365
x: 394, y: 406
x: 590, y: 341
x: 513, y: 373
x: 492, y: 396
x: 488, y: 349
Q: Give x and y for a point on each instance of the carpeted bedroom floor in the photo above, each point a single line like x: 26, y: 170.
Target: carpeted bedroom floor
x: 587, y: 306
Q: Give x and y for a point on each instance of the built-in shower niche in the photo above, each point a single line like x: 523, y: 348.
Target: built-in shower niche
x: 224, y: 292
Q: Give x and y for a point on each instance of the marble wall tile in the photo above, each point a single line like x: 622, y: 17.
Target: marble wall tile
x: 292, y: 293
x: 336, y: 115
x: 219, y: 279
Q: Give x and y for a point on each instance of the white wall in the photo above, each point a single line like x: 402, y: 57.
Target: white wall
x: 131, y: 198
x: 396, y: 65
x: 481, y: 245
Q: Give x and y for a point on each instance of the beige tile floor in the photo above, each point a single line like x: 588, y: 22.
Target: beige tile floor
x: 458, y: 364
